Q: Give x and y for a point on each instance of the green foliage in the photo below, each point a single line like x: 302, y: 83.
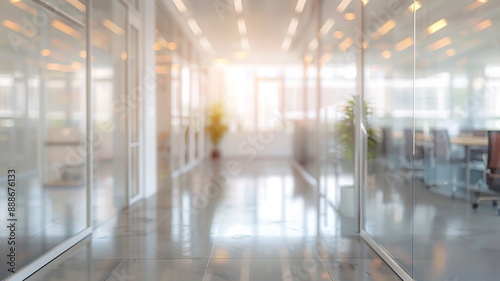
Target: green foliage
x: 216, y: 127
x: 345, y: 130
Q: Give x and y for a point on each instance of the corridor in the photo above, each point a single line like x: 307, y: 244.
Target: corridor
x: 264, y: 222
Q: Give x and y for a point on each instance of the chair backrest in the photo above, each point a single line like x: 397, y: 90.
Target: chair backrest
x: 441, y: 144
x: 409, y: 143
x: 386, y: 138
x: 480, y: 133
x: 466, y: 132
x: 494, y: 151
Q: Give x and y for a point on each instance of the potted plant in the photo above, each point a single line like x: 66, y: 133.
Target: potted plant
x: 216, y: 127
x: 346, y: 131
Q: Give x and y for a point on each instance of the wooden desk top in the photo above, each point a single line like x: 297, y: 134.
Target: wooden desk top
x: 418, y: 136
x: 463, y: 140
x: 470, y: 141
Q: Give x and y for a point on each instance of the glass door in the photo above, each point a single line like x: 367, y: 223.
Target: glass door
x: 134, y: 113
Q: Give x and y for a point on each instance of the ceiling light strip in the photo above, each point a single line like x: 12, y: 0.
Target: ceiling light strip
x: 242, y: 28
x: 300, y: 6
x: 180, y: 6
x: 238, y: 6
x: 292, y: 28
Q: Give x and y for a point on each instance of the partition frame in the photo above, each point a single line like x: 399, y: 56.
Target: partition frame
x: 134, y: 22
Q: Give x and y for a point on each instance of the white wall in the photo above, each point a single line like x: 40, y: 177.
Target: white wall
x: 253, y: 144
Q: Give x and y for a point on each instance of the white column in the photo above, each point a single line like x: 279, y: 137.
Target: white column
x: 148, y: 11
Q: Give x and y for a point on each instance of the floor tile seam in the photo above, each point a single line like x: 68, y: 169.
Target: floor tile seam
x: 210, y: 256
x: 112, y: 270
x: 325, y: 268
x: 264, y: 259
x: 121, y: 262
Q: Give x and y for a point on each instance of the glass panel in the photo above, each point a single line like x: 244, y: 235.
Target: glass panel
x: 163, y: 92
x: 338, y: 89
x: 456, y: 102
x: 195, y: 108
x: 135, y: 102
x: 42, y: 130
x: 186, y: 110
x: 177, y: 131
x: 311, y: 119
x: 109, y: 93
x: 388, y: 89
x: 73, y: 8
x: 134, y: 172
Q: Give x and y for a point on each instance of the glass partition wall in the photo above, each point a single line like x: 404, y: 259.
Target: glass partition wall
x: 339, y: 61
x: 456, y: 104
x: 180, y: 89
x: 54, y: 117
x: 430, y: 84
x: 43, y: 133
x: 109, y: 77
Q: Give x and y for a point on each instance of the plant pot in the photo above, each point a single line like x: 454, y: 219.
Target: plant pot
x: 215, y: 154
x: 347, y: 204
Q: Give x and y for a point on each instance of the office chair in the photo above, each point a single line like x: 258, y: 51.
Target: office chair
x: 414, y: 166
x: 387, y: 151
x: 493, y: 169
x: 444, y: 156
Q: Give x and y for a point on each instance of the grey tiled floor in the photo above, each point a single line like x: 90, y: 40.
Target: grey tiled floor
x: 262, y: 224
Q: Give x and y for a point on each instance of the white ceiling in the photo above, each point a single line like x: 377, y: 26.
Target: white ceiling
x: 267, y: 23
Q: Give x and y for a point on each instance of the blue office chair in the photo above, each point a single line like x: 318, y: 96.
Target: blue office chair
x: 492, y: 169
x: 446, y: 159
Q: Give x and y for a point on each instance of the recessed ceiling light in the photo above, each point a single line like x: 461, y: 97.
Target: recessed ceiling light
x: 286, y: 44
x: 45, y: 52
x: 238, y: 6
x: 386, y: 54
x: 194, y: 26
x: 338, y: 34
x: 343, y: 5
x: 205, y: 44
x: 180, y: 6
x: 300, y: 6
x: 244, y: 44
x: 440, y: 24
x: 415, y: 6
x: 242, y: 28
x: 313, y: 45
x: 349, y: 16
x: 326, y: 27
x: 292, y: 28
x: 450, y: 52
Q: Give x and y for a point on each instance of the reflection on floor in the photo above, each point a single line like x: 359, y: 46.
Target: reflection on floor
x: 264, y: 223
x: 108, y: 194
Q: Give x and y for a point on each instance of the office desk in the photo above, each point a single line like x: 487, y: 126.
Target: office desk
x: 468, y: 143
